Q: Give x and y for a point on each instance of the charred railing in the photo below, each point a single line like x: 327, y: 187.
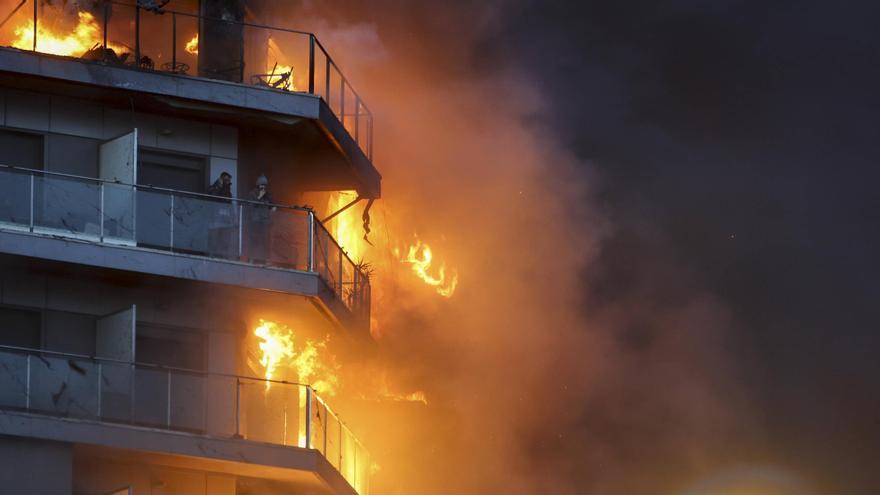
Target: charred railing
x: 233, y: 230
x: 125, y: 33
x: 150, y: 396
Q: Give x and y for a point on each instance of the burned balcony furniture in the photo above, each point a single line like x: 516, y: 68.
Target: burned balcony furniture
x: 216, y: 43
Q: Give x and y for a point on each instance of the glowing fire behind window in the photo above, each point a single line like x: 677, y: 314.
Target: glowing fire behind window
x: 345, y: 227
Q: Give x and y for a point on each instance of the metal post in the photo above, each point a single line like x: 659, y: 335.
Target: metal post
x: 131, y: 395
x: 240, y: 228
x: 104, y: 45
x: 174, y: 41
x: 342, y: 100
x: 370, y: 152
x: 35, y: 25
x: 27, y: 386
x: 33, y: 200
x: 311, y: 266
x: 312, y: 63
x: 284, y: 429
x: 357, y: 118
x: 325, y: 430
x: 168, y: 402
x: 326, y: 257
x: 340, y: 275
x: 137, y: 35
x: 240, y: 56
x: 308, y: 417
x: 101, y: 213
x: 327, y: 78
x: 237, y: 407
x: 171, y: 217
x: 355, y: 293
x: 99, y: 389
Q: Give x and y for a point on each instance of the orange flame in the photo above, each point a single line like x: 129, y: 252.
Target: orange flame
x: 421, y: 258
x: 345, y: 226
x: 281, y: 352
x: 278, y: 70
x: 192, y: 46
x: 84, y: 36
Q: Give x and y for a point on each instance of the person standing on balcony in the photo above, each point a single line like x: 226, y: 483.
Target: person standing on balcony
x: 221, y: 231
x: 222, y: 186
x: 260, y: 222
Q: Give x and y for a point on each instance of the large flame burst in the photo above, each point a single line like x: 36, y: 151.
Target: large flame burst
x: 345, y: 227
x: 305, y: 361
x: 85, y: 35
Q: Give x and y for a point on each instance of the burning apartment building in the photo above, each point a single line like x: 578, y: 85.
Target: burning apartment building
x: 138, y: 304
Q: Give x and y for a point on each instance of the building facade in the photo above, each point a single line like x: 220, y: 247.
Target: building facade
x: 128, y: 294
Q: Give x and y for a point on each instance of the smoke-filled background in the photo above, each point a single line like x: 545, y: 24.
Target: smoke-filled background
x: 663, y: 215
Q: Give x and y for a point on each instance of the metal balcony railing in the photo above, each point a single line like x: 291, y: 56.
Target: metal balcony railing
x: 233, y: 230
x: 124, y: 33
x: 211, y: 404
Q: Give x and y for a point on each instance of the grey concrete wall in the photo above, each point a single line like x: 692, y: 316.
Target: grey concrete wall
x: 103, y: 475
x: 226, y: 315
x: 35, y: 467
x: 84, y: 300
x: 75, y: 128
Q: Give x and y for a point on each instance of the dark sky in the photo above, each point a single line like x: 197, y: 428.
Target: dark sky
x: 744, y: 136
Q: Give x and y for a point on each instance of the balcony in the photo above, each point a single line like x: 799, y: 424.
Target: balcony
x: 192, y: 46
x: 179, y: 234
x: 243, y: 420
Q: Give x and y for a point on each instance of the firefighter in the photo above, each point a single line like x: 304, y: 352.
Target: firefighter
x: 260, y: 222
x: 221, y: 231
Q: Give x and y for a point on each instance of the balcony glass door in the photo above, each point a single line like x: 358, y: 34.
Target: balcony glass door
x: 117, y: 162
x: 115, y: 340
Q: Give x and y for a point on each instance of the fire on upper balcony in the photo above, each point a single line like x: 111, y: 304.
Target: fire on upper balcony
x: 208, y: 39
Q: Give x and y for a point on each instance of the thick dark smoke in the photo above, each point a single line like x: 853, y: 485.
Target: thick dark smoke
x: 631, y: 194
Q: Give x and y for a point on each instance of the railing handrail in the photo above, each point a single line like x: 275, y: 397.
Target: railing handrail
x: 149, y: 187
x: 261, y: 26
x: 96, y: 359
x: 33, y: 171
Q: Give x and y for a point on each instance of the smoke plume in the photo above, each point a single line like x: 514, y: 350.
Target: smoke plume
x: 546, y: 371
